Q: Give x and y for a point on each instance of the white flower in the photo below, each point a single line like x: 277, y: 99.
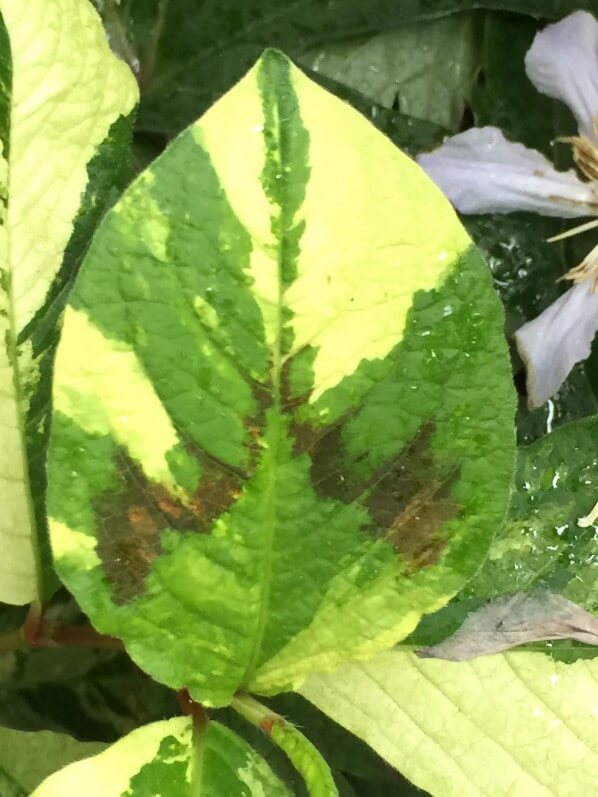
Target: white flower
x: 481, y: 172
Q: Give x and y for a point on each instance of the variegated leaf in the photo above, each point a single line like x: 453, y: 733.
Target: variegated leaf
x: 283, y: 408
x: 169, y: 759
x: 61, y: 93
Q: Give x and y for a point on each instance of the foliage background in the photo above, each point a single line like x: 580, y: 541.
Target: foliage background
x: 419, y: 69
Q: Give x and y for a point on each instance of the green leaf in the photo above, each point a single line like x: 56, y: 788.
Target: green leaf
x: 170, y: 760
x: 90, y: 694
x: 342, y: 750
x: 543, y: 543
x: 330, y: 417
x: 28, y: 758
x: 549, y: 539
x: 427, y: 68
x: 305, y: 757
x: 525, y: 269
x: 58, y: 102
x: 517, y: 723
x: 348, y: 757
x: 9, y: 787
x: 409, y: 134
x: 187, y: 60
x: 506, y: 97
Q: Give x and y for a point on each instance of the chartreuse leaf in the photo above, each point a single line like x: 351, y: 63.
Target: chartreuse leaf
x: 27, y: 758
x: 515, y: 723
x: 171, y: 760
x: 283, y: 407
x: 61, y: 90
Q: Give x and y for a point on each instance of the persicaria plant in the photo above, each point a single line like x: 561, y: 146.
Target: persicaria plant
x: 257, y: 418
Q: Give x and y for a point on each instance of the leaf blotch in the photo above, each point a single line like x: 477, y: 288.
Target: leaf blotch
x: 131, y: 521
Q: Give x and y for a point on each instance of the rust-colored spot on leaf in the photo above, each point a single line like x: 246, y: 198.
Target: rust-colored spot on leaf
x: 409, y: 498
x: 131, y: 521
x: 255, y: 424
x: 412, y: 501
x: 128, y: 536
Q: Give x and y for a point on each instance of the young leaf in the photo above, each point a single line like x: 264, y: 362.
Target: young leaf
x: 283, y: 408
x: 513, y: 620
x: 58, y: 101
x: 28, y: 758
x: 165, y: 759
x: 516, y: 723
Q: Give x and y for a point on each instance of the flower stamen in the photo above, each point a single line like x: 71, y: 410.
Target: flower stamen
x: 587, y: 225
x: 585, y: 155
x: 587, y: 268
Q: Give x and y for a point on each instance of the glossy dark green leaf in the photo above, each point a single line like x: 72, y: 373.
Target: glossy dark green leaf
x: 426, y: 69
x: 188, y: 59
x: 90, y: 694
x: 525, y: 269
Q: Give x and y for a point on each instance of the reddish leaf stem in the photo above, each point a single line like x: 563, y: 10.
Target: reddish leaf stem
x: 37, y: 632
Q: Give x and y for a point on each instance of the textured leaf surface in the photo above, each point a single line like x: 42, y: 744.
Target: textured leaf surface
x: 428, y: 68
x: 515, y: 724
x: 164, y: 759
x: 282, y: 430
x: 28, y: 758
x: 58, y: 101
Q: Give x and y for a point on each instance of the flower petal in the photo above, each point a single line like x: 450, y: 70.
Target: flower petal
x: 556, y: 340
x: 481, y: 172
x: 563, y: 63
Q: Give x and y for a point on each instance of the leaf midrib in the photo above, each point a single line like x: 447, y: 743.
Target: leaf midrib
x: 275, y: 414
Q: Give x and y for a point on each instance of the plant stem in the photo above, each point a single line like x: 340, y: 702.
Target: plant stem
x: 37, y: 632
x: 306, y: 758
x: 32, y: 626
x: 82, y: 636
